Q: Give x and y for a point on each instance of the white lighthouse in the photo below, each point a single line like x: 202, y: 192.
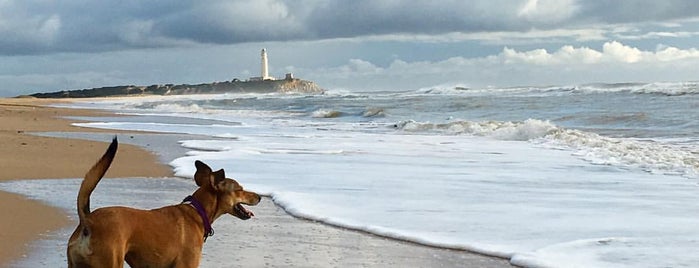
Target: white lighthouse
x: 264, y: 74
x: 265, y: 69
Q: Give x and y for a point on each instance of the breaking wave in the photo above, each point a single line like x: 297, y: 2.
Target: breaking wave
x: 649, y: 155
x: 512, y: 131
x: 669, y: 88
x: 178, y: 108
x: 661, y: 88
x: 373, y: 112
x: 322, y: 113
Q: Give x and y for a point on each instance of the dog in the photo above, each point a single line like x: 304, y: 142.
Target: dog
x: 170, y: 236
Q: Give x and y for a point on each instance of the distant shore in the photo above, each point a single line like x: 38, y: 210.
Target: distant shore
x: 288, y: 85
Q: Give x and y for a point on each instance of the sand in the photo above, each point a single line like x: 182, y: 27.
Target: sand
x: 275, y: 239
x: 272, y: 239
x: 24, y: 156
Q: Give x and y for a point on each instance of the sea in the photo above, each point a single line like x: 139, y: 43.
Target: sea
x: 595, y: 175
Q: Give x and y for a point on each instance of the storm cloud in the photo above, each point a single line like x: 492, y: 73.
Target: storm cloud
x: 41, y: 27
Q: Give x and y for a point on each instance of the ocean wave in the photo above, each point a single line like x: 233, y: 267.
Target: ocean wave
x: 323, y: 113
x: 649, y: 155
x: 513, y: 131
x: 461, y: 90
x: 373, y: 112
x: 661, y: 88
x: 178, y: 108
x: 444, y: 89
x: 344, y: 93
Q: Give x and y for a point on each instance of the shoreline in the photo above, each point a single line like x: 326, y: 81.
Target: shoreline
x: 393, y: 249
x: 272, y: 238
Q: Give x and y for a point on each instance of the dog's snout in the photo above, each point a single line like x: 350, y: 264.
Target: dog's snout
x: 257, y: 198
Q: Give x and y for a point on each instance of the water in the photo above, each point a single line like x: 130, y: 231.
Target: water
x: 597, y: 175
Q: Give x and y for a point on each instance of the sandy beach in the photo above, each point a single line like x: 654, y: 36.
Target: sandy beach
x: 25, y: 156
x: 279, y: 239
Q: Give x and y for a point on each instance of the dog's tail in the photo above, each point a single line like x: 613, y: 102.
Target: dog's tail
x: 92, y: 178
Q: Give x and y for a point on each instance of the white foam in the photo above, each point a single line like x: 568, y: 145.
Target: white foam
x: 323, y: 113
x: 179, y: 108
x: 460, y: 89
x: 664, y: 88
x: 443, y: 191
x: 649, y: 155
x: 374, y: 112
x: 514, y: 131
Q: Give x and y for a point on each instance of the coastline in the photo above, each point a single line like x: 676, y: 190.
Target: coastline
x: 26, y: 156
x: 280, y: 239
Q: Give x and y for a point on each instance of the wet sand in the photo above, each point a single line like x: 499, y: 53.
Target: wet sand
x: 275, y: 239
x: 25, y: 156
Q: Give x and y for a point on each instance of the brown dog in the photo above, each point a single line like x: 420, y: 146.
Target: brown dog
x: 170, y: 236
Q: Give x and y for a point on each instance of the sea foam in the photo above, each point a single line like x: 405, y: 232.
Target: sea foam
x: 662, y: 88
x: 649, y: 155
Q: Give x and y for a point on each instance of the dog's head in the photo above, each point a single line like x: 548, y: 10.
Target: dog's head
x: 230, y: 193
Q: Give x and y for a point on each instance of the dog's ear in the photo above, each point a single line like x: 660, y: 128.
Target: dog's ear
x: 203, y: 173
x: 216, y: 178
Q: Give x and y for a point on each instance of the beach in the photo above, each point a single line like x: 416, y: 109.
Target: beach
x: 280, y: 240
x: 25, y: 156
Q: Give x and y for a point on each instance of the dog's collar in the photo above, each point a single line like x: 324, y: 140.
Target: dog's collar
x: 208, y: 231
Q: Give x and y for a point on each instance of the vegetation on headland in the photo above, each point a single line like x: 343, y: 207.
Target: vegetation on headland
x: 292, y: 85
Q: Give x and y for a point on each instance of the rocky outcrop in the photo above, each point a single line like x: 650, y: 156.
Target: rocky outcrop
x: 235, y: 86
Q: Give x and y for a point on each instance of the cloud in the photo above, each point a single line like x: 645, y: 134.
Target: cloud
x: 658, y: 35
x: 550, y: 11
x: 35, y: 26
x: 634, y: 11
x: 534, y: 36
x: 23, y: 31
x: 619, y: 52
x: 232, y: 22
x: 614, y: 62
x: 569, y: 55
x: 612, y: 52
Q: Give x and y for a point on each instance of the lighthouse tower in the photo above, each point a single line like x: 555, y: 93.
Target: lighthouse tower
x: 265, y: 68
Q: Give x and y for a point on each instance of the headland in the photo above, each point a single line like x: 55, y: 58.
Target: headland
x: 288, y: 85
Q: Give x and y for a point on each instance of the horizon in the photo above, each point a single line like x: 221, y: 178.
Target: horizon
x: 631, y: 85
x: 357, y: 46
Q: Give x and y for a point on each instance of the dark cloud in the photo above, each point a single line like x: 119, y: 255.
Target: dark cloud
x: 634, y: 11
x: 35, y: 27
x: 232, y: 22
x: 366, y: 17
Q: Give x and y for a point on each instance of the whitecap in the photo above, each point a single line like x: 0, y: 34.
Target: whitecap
x: 322, y: 113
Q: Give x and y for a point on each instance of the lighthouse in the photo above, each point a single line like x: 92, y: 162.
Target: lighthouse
x: 264, y: 74
x: 265, y: 69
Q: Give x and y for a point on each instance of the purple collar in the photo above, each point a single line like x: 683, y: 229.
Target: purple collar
x: 208, y: 231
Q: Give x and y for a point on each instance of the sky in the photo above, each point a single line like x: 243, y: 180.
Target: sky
x: 354, y: 45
